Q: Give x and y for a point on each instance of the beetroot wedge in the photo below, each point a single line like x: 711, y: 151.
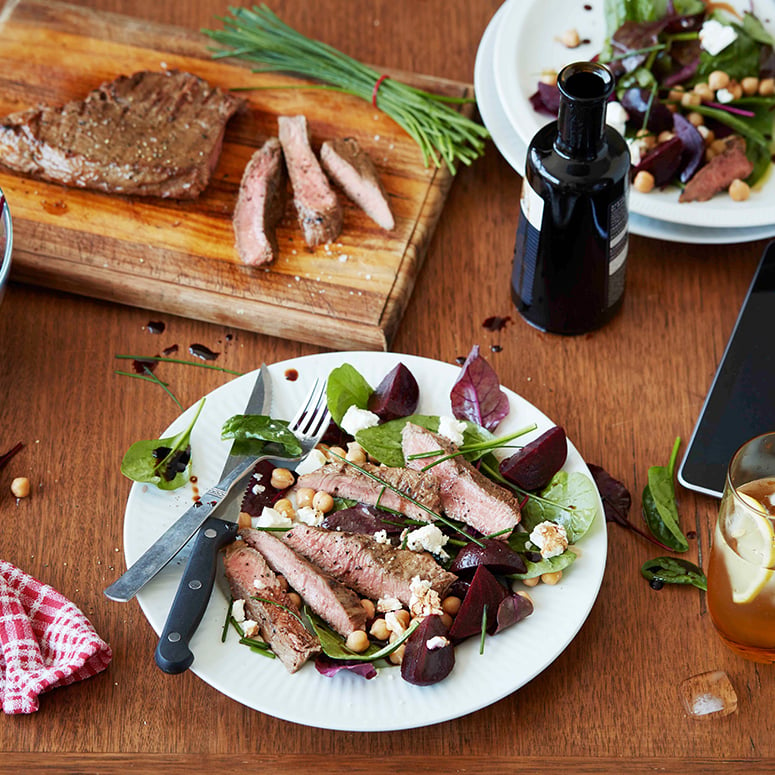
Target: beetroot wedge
x: 536, y: 463
x: 485, y: 590
x: 429, y: 655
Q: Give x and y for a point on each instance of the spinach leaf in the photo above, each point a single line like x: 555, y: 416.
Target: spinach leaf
x: 162, y: 462
x: 570, y: 500
x: 739, y: 59
x: 546, y: 565
x: 660, y: 509
x: 252, y: 432
x: 673, y: 570
x: 346, y: 386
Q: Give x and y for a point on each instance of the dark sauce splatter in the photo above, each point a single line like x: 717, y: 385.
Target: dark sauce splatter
x: 200, y: 351
x: 460, y: 360
x: 691, y: 534
x: 587, y: 7
x: 173, y: 348
x: 176, y: 464
x: 229, y: 337
x: 141, y: 365
x: 291, y: 375
x: 155, y: 326
x: 496, y: 348
x: 496, y: 323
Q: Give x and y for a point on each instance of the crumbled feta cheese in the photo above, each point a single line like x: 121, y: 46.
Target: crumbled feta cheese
x: 451, y: 429
x: 381, y: 537
x: 311, y: 463
x: 309, y: 516
x: 238, y: 610
x: 616, y: 116
x: 436, y: 642
x: 257, y: 489
x: 425, y: 601
x: 636, y: 149
x: 715, y: 36
x: 385, y: 604
x: 724, y: 95
x: 393, y: 623
x: 250, y: 628
x: 427, y: 538
x: 356, y: 419
x: 272, y: 518
x: 550, y: 538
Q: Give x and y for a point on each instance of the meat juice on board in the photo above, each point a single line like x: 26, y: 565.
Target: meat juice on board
x: 741, y: 570
x: 571, y: 247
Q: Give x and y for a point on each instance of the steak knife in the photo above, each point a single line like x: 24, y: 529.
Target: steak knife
x: 181, y: 531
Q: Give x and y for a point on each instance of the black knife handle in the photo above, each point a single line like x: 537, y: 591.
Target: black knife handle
x: 173, y: 654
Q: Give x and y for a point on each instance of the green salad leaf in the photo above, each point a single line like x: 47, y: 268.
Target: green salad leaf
x: 546, y: 565
x: 346, y: 387
x: 660, y: 509
x: 253, y: 432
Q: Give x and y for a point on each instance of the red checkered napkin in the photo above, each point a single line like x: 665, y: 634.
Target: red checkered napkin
x: 45, y: 641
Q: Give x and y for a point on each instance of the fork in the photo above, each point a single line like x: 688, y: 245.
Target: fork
x: 173, y: 653
x: 308, y: 424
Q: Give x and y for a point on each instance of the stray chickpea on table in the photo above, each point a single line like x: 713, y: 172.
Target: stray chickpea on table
x: 20, y: 487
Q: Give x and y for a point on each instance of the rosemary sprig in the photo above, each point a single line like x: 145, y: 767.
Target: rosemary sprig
x: 443, y: 134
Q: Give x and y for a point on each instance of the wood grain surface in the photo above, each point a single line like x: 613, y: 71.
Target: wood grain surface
x: 179, y: 257
x: 610, y: 703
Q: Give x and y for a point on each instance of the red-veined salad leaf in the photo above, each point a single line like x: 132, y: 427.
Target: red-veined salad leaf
x: 330, y: 667
x: 477, y: 395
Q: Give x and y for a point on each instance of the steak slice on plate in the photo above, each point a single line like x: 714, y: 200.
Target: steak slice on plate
x: 719, y: 172
x: 351, y: 168
x: 147, y: 134
x: 260, y: 205
x: 372, y: 569
x: 333, y: 602
x: 317, y: 206
x: 251, y: 578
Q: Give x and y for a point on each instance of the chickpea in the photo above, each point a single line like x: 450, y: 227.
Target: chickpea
x: 355, y: 453
x: 767, y: 87
x: 244, y: 520
x: 739, y: 190
x: 750, y: 86
x: 532, y: 582
x: 282, y: 583
x: 322, y: 502
x: 676, y: 94
x: 570, y: 38
x: 695, y: 119
x: 718, y: 79
x: 295, y: 598
x: 369, y: 607
x: 663, y: 137
x: 20, y: 487
x: 284, y: 507
x: 403, y: 617
x: 357, y: 641
x: 707, y: 134
x: 551, y: 578
x: 281, y: 479
x: 646, y: 139
x: 644, y: 182
x: 718, y: 146
x: 704, y: 92
x: 304, y: 496
x: 451, y: 605
x: 397, y: 656
x: 446, y: 620
x: 691, y: 100
x: 379, y: 630
x: 735, y: 89
x: 549, y: 77
x: 337, y: 452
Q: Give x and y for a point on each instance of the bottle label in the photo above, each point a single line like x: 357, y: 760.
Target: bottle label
x: 531, y: 207
x: 617, y: 250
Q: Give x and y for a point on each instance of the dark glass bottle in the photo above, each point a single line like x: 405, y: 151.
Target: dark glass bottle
x: 571, y: 247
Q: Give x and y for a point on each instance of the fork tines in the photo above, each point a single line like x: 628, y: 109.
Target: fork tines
x: 312, y: 417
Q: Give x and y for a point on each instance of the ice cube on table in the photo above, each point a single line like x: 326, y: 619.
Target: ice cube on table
x: 708, y: 695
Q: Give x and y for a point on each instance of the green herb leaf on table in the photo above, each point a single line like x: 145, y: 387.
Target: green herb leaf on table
x: 660, y: 509
x: 673, y: 570
x: 144, y: 463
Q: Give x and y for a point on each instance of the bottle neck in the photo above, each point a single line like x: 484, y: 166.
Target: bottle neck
x: 584, y: 91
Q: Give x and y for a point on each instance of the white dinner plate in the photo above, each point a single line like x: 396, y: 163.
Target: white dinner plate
x: 347, y: 701
x: 526, y: 44
x: 514, y: 150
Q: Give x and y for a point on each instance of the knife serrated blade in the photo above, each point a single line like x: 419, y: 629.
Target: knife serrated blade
x: 181, y: 531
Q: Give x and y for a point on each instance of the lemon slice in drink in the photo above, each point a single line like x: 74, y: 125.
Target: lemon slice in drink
x: 750, y: 566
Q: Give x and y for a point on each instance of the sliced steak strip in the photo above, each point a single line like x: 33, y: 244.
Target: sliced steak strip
x: 372, y: 569
x: 260, y: 205
x: 347, y: 482
x: 353, y: 171
x: 317, y: 206
x: 149, y: 134
x: 335, y: 603
x: 466, y: 494
x: 719, y: 172
x: 249, y: 577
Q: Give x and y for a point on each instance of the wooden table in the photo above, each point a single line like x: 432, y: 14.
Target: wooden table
x: 609, y: 703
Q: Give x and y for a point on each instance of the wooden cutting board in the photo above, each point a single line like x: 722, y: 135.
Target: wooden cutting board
x: 179, y: 257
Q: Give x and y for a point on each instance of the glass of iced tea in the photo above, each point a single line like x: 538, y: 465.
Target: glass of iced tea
x: 741, y: 569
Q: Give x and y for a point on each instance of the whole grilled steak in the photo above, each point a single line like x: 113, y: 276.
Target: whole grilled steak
x: 317, y: 206
x: 260, y: 205
x: 466, y: 494
x: 250, y: 578
x: 148, y: 134
x: 372, y: 569
x: 347, y: 482
x: 351, y: 168
x: 332, y: 601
